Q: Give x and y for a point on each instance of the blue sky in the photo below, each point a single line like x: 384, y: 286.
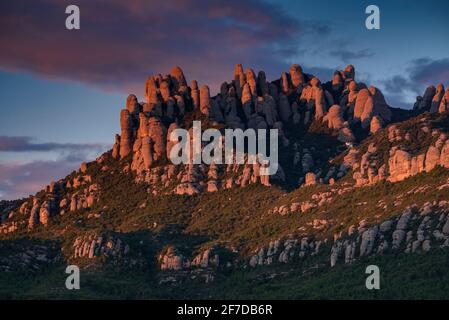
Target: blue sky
x: 61, y: 91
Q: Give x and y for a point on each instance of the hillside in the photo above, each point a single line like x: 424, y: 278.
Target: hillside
x: 358, y: 183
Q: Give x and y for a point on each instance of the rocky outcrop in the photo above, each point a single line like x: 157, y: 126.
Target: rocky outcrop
x: 399, y: 161
x: 178, y: 79
x: 127, y: 135
x: 207, y: 259
x: 171, y: 259
x: 296, y: 75
x: 416, y: 229
x: 95, y: 246
x: 245, y: 102
x: 369, y: 103
x: 402, y: 165
x: 375, y: 124
x: 32, y: 257
x: 424, y: 103
x: 285, y: 250
x: 444, y: 104
x: 205, y: 100
x: 436, y: 100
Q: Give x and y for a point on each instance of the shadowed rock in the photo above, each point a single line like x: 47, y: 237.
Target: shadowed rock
x: 436, y: 100
x: 375, y: 125
x: 204, y: 100
x: 178, y: 78
x: 251, y: 81
x: 426, y: 101
x: 296, y: 75
x: 195, y: 94
x: 126, y: 138
x: 132, y: 105
x: 444, y: 104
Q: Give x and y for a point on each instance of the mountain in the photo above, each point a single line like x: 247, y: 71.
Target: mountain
x: 359, y: 183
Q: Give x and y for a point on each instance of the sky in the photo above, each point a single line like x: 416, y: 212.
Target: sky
x: 61, y: 90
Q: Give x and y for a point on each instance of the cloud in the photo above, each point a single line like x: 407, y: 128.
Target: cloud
x: 426, y: 71
x: 25, y: 144
x: 323, y: 73
x: 120, y: 42
x: 20, y: 180
x: 348, y: 56
x: 419, y: 73
x: 397, y: 84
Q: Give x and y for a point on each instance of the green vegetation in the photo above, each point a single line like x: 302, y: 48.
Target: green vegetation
x: 237, y: 221
x: 418, y: 276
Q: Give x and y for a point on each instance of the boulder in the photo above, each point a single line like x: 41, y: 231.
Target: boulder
x: 444, y: 156
x: 399, y: 166
x: 427, y: 98
x: 375, y: 124
x: 239, y: 79
x: 195, y: 94
x: 444, y: 104
x: 334, y: 118
x: 436, y: 100
x: 158, y: 134
x: 432, y: 158
x: 178, y: 78
x: 132, y: 105
x: 310, y: 179
x: 251, y: 81
x: 296, y: 75
x: 204, y: 100
x: 348, y: 73
x: 127, y: 136
x: 165, y: 91
x: 368, y: 241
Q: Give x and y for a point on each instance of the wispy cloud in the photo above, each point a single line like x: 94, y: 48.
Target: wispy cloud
x: 418, y: 74
x: 22, y: 179
x: 26, y: 144
x: 426, y: 71
x: 348, y: 56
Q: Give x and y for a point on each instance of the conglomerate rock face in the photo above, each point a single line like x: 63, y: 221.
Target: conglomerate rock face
x: 292, y: 103
x: 399, y: 154
x: 415, y: 229
x: 365, y: 147
x: 434, y: 100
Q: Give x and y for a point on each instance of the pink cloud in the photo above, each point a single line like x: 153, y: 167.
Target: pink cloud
x: 20, y: 180
x: 120, y: 43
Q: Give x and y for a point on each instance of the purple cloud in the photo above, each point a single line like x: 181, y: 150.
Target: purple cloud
x: 348, y: 56
x: 419, y: 74
x: 426, y: 71
x: 25, y: 144
x: 120, y: 43
x: 20, y: 180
